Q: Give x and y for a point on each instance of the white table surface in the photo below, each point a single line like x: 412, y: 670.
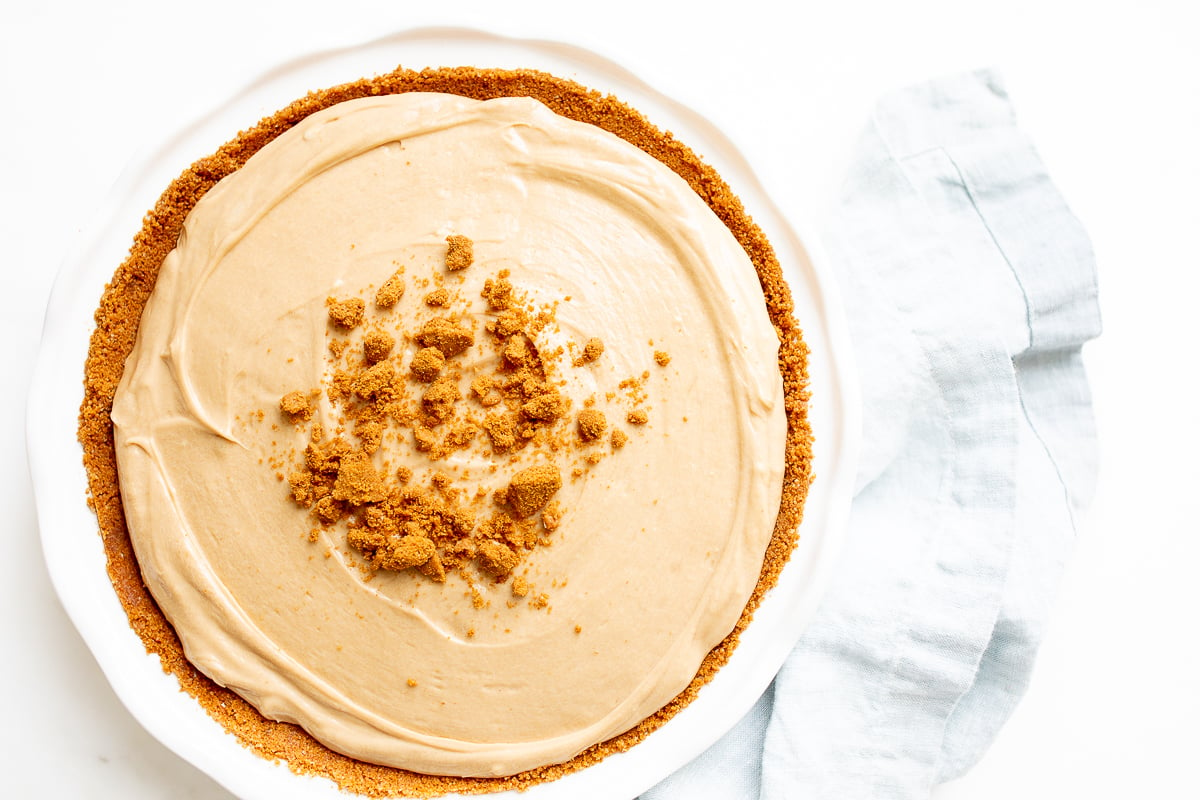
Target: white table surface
x: 1109, y: 91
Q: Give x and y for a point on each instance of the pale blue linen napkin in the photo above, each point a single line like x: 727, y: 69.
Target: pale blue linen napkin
x: 970, y: 289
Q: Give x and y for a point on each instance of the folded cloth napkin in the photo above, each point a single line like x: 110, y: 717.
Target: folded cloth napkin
x: 970, y: 289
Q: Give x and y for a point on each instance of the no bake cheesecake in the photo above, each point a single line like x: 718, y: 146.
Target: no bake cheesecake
x: 455, y: 423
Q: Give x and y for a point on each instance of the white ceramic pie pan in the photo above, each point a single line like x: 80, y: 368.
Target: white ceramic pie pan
x: 75, y: 557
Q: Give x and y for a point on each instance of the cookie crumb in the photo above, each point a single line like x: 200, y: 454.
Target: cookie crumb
x: 637, y: 417
x: 662, y: 358
x: 377, y: 345
x: 346, y: 313
x: 390, y: 293
x: 460, y: 253
x: 423, y: 439
x: 439, y: 399
x: 374, y: 380
x: 619, y: 439
x: 520, y: 586
x: 438, y: 297
x: 446, y: 335
x: 591, y: 424
x: 546, y: 407
x: 531, y: 489
x: 426, y: 364
x: 357, y: 481
x: 484, y: 389
x: 552, y: 515
x: 296, y: 406
x: 592, y: 350
x: 496, y: 558
x: 502, y: 429
x: 402, y: 552
x: 498, y: 291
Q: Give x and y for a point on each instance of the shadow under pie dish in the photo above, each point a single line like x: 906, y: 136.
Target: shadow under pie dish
x: 462, y: 422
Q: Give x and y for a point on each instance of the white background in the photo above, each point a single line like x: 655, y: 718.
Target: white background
x: 1110, y: 93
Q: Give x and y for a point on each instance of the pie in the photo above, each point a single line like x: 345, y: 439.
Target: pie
x: 445, y: 429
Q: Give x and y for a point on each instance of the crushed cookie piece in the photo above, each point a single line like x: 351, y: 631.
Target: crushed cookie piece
x: 438, y: 297
x: 520, y: 586
x: 377, y: 345
x: 296, y: 406
x: 662, y: 358
x: 371, y: 436
x: 496, y: 558
x: 579, y: 629
x: 592, y: 350
x: 390, y: 293
x: 426, y: 364
x: 357, y: 481
x: 484, y: 389
x: 346, y: 313
x: 412, y: 682
x: 619, y: 439
x: 374, y: 380
x: 507, y: 323
x: 539, y: 600
x: 460, y: 436
x: 498, y: 291
x: 325, y: 457
x: 328, y: 510
x: 519, y: 352
x: 460, y: 252
x: 552, y: 515
x: 402, y: 552
x: 423, y: 439
x: 439, y: 399
x: 545, y: 407
x: 637, y: 417
x: 446, y: 335
x: 594, y: 458
x: 502, y: 429
x: 302, y: 488
x: 433, y: 569
x: 591, y: 424
x: 531, y: 489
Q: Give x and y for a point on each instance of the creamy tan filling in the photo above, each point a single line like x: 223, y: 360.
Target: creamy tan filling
x: 662, y: 541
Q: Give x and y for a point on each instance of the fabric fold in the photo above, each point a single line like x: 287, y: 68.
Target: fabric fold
x: 970, y: 289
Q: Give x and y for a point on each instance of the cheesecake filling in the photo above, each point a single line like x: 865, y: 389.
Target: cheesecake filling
x: 660, y: 542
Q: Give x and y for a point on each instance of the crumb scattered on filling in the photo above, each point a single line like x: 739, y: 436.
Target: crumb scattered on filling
x: 346, y: 313
x: 438, y: 297
x: 460, y: 252
x: 390, y: 293
x: 592, y: 350
x: 296, y: 406
x: 474, y: 378
x: 592, y: 424
x: 377, y: 345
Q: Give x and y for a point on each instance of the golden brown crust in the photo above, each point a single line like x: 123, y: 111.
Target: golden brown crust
x: 117, y: 321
